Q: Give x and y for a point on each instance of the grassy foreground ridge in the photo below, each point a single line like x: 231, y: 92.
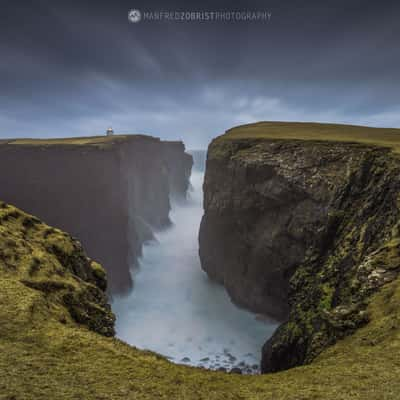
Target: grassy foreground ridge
x: 56, y: 327
x: 46, y: 354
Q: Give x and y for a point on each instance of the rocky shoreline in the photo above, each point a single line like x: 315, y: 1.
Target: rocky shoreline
x: 224, y: 362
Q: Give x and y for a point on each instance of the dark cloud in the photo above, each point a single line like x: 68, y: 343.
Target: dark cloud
x: 73, y: 68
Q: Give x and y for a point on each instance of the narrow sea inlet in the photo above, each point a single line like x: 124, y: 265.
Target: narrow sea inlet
x: 176, y: 311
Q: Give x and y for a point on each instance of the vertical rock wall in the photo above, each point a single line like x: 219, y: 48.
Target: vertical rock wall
x: 108, y: 195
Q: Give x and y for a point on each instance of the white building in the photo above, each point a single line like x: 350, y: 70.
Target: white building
x: 110, y: 132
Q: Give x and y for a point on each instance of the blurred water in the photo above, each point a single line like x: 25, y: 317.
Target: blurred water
x: 175, y: 310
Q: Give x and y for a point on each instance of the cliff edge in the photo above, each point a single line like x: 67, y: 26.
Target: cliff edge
x: 45, y: 274
x: 110, y: 192
x: 302, y: 223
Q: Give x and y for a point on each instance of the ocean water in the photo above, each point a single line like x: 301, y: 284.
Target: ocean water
x: 175, y: 310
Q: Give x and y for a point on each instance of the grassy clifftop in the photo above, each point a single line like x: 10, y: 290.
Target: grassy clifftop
x: 386, y: 137
x: 54, y: 323
x: 94, y: 141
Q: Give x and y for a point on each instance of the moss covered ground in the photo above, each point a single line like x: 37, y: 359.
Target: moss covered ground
x: 47, y: 353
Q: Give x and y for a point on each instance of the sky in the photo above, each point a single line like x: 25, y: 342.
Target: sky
x: 74, y: 68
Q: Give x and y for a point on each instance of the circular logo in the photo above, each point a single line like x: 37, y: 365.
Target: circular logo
x: 134, y: 16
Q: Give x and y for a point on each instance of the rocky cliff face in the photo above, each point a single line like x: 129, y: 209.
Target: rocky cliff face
x: 302, y: 230
x: 179, y: 166
x: 108, y: 192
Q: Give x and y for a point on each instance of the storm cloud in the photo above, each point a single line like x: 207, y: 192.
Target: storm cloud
x: 72, y: 68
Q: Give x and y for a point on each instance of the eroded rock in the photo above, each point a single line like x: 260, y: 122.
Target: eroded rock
x: 304, y: 231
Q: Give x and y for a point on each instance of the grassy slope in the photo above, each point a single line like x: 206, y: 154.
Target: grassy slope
x: 44, y: 354
x: 387, y: 137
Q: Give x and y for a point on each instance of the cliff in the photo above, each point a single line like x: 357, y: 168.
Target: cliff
x: 109, y: 192
x: 302, y: 223
x: 179, y: 166
x: 56, y: 327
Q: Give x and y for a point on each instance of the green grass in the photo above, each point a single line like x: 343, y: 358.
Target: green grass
x: 74, y: 141
x: 46, y: 354
x: 387, y: 137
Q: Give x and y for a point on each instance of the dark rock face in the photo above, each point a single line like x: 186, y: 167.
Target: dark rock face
x: 110, y: 197
x: 179, y: 165
x: 262, y: 211
x: 301, y: 230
